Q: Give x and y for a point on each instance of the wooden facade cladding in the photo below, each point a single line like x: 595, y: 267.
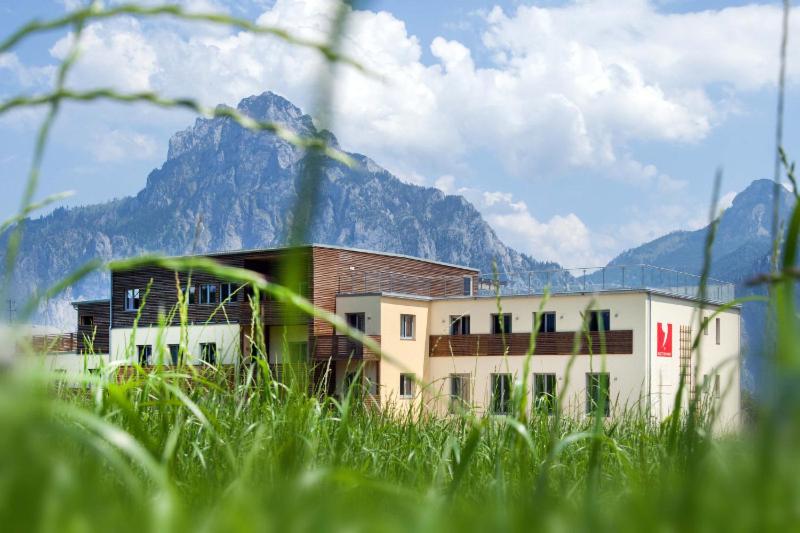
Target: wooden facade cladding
x: 342, y: 347
x: 55, y: 343
x: 94, y: 337
x: 557, y: 343
x: 331, y: 263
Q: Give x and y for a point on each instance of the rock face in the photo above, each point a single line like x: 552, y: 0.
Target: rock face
x: 223, y: 187
x: 742, y: 250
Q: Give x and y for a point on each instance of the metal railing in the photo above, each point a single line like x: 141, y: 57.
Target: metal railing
x: 556, y: 281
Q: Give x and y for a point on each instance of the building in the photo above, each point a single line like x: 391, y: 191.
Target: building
x: 449, y: 336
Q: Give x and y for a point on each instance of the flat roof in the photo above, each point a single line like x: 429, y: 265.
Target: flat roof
x: 329, y: 246
x: 83, y: 302
x: 657, y: 292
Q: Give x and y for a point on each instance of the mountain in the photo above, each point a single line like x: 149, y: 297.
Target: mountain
x: 742, y: 249
x: 223, y: 188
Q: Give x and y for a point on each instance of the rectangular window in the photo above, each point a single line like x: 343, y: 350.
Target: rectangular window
x: 145, y: 353
x: 467, y: 285
x: 544, y: 392
x: 298, y: 352
x: 547, y: 322
x: 600, y: 320
x: 174, y: 353
x: 229, y: 292
x: 208, y: 352
x: 190, y: 294
x: 501, y: 323
x: 459, y: 325
x: 710, y: 387
x: 705, y: 326
x: 132, y: 300
x: 501, y: 393
x: 87, y: 320
x: 407, y: 385
x: 459, y: 392
x: 716, y: 387
x: 719, y: 332
x: 356, y: 321
x: 208, y: 294
x: 406, y: 326
x: 598, y: 389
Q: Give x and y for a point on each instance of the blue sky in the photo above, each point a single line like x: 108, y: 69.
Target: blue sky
x: 579, y: 129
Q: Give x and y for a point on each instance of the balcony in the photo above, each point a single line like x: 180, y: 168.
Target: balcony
x: 342, y: 347
x: 556, y: 281
x: 55, y: 343
x: 618, y: 342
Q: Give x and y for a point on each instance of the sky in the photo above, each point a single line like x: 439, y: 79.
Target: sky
x: 579, y: 129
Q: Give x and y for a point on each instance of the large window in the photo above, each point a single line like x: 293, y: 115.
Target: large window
x: 208, y: 294
x: 547, y: 322
x: 501, y: 393
x: 598, y: 393
x: 544, y: 392
x: 229, y: 292
x: 407, y: 385
x: 208, y: 352
x: 356, y: 321
x: 501, y: 323
x: 145, y: 353
x: 459, y: 392
x: 459, y: 325
x: 467, y: 285
x: 406, y: 326
x: 174, y: 353
x: 600, y: 320
x: 132, y: 299
x: 298, y: 352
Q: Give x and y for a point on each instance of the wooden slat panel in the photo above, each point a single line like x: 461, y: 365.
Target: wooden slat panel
x: 558, y: 343
x: 55, y: 343
x: 342, y: 347
x: 99, y: 311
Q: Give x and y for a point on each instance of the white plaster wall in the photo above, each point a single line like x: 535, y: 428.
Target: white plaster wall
x: 226, y: 336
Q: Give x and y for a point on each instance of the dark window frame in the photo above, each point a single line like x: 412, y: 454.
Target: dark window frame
x: 459, y: 325
x: 407, y: 384
x: 208, y: 352
x: 593, y: 322
x: 544, y: 391
x: 229, y: 292
x: 133, y: 299
x: 547, y: 323
x: 144, y: 354
x: 507, y: 323
x: 87, y: 320
x: 501, y: 393
x: 594, y: 387
x: 206, y: 291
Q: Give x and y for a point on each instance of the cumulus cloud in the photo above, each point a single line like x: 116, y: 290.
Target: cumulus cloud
x: 116, y: 145
x: 568, y: 87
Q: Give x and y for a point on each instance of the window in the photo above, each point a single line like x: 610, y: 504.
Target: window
x: 191, y: 297
x: 406, y: 326
x: 501, y: 393
x: 208, y: 294
x: 208, y: 352
x: 705, y: 326
x: 459, y: 325
x: 407, y: 385
x: 356, y: 321
x: 599, y: 320
x: 145, y: 353
x: 132, y: 300
x: 501, y: 323
x: 544, y: 392
x: 711, y: 388
x: 229, y: 292
x: 598, y: 393
x: 719, y: 331
x: 467, y: 285
x: 174, y: 353
x: 298, y: 351
x: 459, y: 392
x: 548, y: 322
x: 87, y: 320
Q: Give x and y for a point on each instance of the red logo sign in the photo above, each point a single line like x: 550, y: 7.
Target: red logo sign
x: 664, y: 340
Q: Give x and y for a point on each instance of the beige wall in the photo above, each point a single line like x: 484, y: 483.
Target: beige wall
x: 226, y: 336
x: 369, y: 305
x: 722, y: 359
x: 402, y: 355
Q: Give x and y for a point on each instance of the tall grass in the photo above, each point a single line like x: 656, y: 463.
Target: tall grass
x: 191, y: 449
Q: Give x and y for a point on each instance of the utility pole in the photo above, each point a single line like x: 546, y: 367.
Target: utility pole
x: 12, y: 310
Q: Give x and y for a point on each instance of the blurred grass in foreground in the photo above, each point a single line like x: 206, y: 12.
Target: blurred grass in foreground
x: 185, y: 451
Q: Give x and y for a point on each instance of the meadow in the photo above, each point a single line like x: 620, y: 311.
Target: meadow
x: 182, y: 449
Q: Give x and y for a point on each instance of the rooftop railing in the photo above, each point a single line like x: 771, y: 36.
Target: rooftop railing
x: 556, y: 281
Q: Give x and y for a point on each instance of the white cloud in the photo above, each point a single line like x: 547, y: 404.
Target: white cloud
x: 116, y: 145
x: 24, y: 75
x: 726, y: 200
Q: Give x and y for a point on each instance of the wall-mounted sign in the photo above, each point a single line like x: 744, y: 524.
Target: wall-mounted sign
x: 664, y: 340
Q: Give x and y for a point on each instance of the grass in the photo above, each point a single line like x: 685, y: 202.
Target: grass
x: 182, y: 450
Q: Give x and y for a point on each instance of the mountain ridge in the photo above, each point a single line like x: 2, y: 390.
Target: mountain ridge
x: 223, y: 188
